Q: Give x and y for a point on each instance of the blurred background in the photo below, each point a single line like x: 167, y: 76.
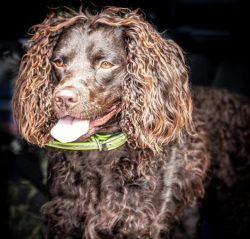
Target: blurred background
x: 213, y: 33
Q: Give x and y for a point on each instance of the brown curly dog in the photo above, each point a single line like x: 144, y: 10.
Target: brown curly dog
x: 112, y: 75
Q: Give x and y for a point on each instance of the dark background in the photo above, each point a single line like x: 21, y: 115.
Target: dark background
x: 213, y: 33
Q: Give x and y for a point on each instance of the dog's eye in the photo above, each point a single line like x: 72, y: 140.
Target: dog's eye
x: 106, y: 65
x: 58, y: 62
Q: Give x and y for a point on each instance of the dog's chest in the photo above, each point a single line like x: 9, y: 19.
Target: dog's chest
x: 98, y: 178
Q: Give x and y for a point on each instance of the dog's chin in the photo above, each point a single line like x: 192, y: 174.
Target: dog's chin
x: 110, y: 127
x: 70, y: 129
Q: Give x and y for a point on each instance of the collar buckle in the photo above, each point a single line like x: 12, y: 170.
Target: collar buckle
x: 98, y: 143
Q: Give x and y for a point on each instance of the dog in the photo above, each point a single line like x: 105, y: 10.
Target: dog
x: 132, y: 149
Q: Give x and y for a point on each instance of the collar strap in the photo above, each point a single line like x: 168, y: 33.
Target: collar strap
x: 95, y: 142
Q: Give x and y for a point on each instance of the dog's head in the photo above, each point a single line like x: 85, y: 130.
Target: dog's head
x: 102, y: 73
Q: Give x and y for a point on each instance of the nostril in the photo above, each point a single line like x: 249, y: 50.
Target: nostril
x: 72, y: 99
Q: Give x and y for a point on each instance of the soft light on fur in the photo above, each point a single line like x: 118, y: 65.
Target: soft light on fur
x: 156, y: 100
x: 141, y: 188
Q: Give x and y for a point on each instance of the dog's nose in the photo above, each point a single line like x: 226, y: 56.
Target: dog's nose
x: 66, y: 97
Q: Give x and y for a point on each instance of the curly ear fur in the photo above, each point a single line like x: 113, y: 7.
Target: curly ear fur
x: 157, y: 90
x: 32, y: 99
x: 157, y: 104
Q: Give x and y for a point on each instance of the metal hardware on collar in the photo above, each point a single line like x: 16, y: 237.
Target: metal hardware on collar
x: 95, y: 142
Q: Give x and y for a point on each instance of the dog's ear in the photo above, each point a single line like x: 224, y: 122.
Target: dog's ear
x: 31, y: 103
x: 157, y: 103
x: 32, y: 99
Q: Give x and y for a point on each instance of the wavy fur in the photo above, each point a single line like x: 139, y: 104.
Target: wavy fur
x: 139, y: 190
x: 157, y: 74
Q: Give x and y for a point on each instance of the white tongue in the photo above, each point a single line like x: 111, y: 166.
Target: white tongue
x: 69, y: 129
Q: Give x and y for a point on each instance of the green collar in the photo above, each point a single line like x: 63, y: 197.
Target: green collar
x: 95, y: 142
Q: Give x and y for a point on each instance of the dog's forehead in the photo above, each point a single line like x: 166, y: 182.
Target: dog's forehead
x: 84, y: 36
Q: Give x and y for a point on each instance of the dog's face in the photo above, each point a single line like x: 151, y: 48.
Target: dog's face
x: 89, y: 67
x: 101, y: 73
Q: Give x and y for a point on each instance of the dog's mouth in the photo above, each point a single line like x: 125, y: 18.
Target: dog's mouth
x: 69, y: 129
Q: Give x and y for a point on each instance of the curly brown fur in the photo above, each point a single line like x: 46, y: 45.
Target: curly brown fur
x: 142, y: 188
x: 163, y: 64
